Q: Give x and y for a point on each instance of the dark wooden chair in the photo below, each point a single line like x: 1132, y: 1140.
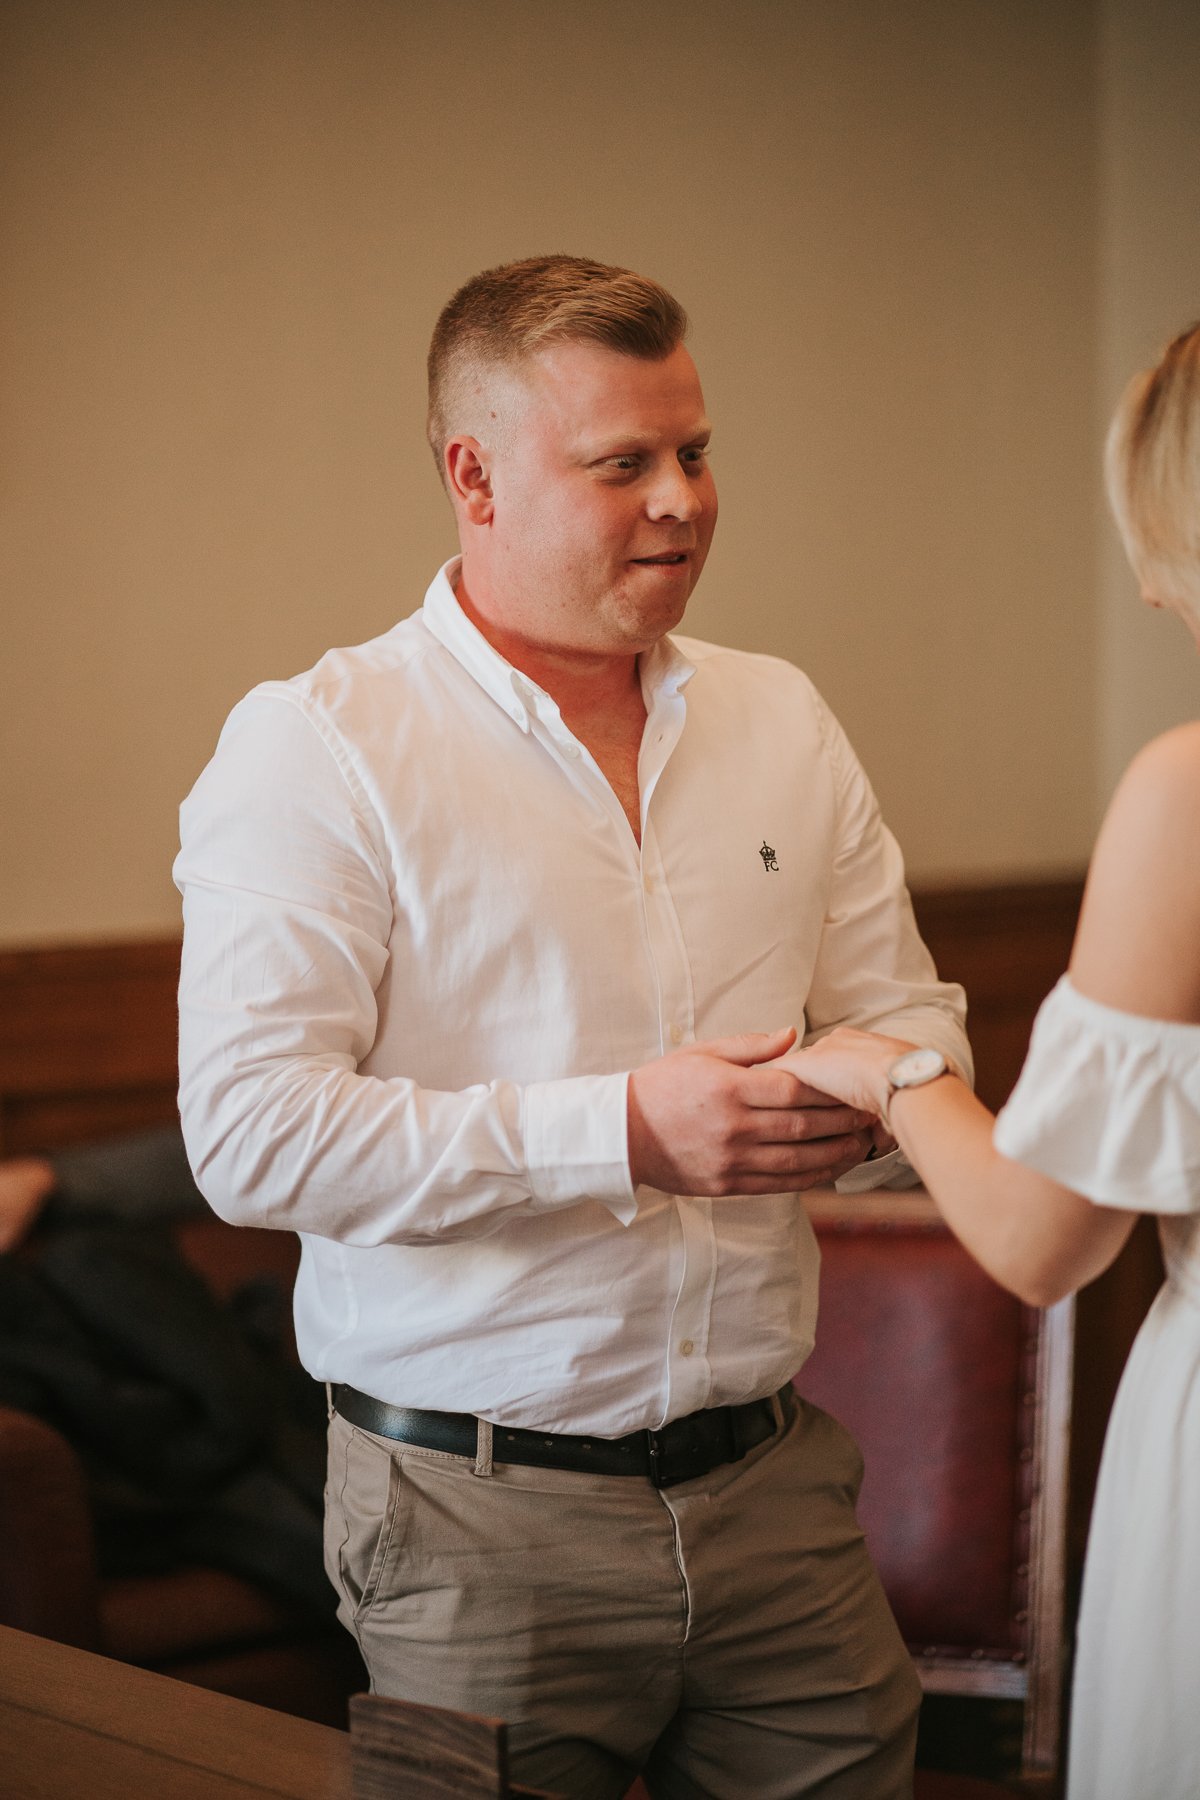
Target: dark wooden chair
x: 959, y: 1397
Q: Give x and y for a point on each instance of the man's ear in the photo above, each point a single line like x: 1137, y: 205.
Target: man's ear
x: 468, y: 477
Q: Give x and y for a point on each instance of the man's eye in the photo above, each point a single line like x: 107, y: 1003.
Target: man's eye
x: 623, y: 464
x: 695, y: 456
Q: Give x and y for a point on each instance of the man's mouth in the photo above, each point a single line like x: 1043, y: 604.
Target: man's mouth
x: 666, y: 558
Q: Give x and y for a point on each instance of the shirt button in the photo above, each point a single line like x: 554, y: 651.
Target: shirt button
x: 571, y: 750
x: 686, y: 1348
x: 676, y: 1034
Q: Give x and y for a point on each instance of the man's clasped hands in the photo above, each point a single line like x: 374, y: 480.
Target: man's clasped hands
x: 727, y: 1117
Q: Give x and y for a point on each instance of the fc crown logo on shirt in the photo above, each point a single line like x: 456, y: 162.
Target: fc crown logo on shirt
x: 768, y: 855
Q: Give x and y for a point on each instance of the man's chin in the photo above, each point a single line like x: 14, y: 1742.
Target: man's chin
x: 645, y: 631
x: 650, y: 616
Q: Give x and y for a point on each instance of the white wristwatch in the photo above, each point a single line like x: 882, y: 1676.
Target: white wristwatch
x: 914, y: 1069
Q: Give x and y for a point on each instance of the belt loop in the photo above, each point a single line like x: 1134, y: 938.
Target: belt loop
x: 329, y: 1407
x: 483, y: 1447
x: 777, y: 1409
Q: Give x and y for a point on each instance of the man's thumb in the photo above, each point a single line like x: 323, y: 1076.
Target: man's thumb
x: 749, y: 1047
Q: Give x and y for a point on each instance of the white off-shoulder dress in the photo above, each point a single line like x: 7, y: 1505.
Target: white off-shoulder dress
x: 1108, y: 1104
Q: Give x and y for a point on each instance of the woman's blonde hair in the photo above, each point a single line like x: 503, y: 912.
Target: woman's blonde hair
x: 500, y: 317
x: 1152, y: 463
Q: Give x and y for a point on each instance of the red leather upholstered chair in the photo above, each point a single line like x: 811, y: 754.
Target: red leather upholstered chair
x: 959, y: 1397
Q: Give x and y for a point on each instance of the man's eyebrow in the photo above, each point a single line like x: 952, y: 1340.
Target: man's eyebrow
x: 638, y: 440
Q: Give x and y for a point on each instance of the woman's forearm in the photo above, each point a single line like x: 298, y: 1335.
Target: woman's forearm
x: 1036, y: 1238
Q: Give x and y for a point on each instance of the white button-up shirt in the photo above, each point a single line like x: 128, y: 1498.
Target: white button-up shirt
x: 422, y: 951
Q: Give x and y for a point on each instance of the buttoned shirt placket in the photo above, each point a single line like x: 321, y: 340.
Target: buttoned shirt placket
x: 687, y: 1376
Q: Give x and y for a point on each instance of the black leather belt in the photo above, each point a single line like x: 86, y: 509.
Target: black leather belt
x: 682, y: 1450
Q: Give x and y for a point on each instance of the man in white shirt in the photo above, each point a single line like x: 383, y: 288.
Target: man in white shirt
x: 484, y: 921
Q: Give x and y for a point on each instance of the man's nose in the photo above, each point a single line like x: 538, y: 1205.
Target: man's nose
x: 673, y: 495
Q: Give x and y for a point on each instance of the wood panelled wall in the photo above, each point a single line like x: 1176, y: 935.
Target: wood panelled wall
x: 87, y: 1049
x: 87, y: 1041
x: 1007, y: 946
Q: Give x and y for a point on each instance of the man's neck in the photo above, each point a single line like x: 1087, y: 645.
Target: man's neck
x: 582, y: 683
x: 599, y: 698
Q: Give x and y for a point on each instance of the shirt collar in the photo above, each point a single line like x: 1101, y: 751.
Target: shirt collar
x: 664, y: 668
x: 665, y: 671
x: 448, y: 622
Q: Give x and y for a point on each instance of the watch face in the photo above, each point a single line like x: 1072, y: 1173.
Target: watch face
x: 916, y: 1066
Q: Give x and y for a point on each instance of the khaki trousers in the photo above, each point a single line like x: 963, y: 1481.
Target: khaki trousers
x: 727, y: 1637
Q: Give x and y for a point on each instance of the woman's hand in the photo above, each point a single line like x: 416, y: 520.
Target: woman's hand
x: 851, y: 1065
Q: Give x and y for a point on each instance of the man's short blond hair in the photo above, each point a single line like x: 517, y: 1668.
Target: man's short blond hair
x: 1152, y: 463
x: 506, y: 314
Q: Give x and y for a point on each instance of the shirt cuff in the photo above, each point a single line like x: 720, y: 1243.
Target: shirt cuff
x: 893, y: 1171
x: 577, y: 1143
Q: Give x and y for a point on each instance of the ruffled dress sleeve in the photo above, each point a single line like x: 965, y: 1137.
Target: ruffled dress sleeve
x: 1108, y: 1104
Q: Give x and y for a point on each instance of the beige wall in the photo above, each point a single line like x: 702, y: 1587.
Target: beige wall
x: 227, y: 227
